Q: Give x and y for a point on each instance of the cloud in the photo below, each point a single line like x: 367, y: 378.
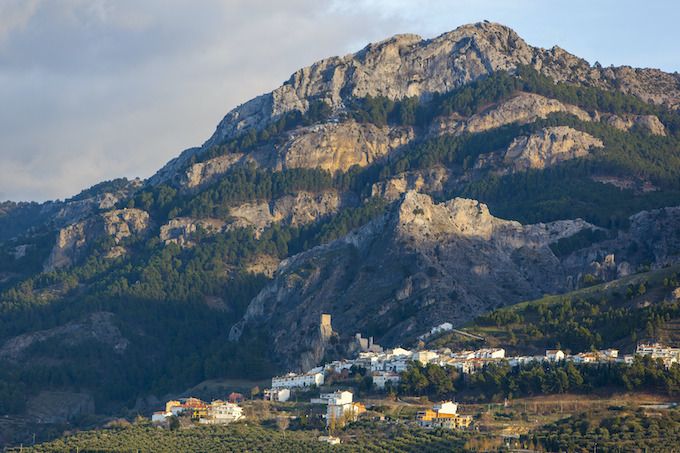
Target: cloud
x: 98, y: 89
x: 14, y: 15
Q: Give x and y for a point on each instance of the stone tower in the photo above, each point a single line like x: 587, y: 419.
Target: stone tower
x: 325, y: 326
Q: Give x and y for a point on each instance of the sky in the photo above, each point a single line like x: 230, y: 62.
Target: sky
x: 92, y: 90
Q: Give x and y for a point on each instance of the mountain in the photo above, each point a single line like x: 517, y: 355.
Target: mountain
x: 411, y: 183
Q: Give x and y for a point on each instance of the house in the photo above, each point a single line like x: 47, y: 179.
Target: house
x: 399, y: 352
x: 221, y: 413
x: 338, y: 366
x: 443, y: 415
x: 446, y: 407
x: 585, y: 357
x: 341, y: 407
x: 160, y: 417
x: 381, y: 378
x: 554, y: 355
x: 396, y: 364
x: 192, y: 406
x: 196, y: 407
x: 604, y: 355
x: 293, y: 380
x: 281, y: 395
x: 516, y: 361
x: 610, y: 354
x: 490, y: 353
x: 667, y: 354
x: 444, y: 327
x: 174, y: 407
x: 424, y: 357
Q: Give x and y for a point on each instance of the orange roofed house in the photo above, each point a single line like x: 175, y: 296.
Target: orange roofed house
x: 443, y: 415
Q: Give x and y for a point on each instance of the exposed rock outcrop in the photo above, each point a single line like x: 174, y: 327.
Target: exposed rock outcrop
x: 549, y: 147
x: 340, y: 146
x: 74, y: 239
x: 83, y: 206
x: 652, y: 240
x: 294, y: 210
x: 523, y: 108
x: 123, y: 223
x: 181, y: 230
x: 202, y: 173
x: 427, y: 181
x: 649, y: 123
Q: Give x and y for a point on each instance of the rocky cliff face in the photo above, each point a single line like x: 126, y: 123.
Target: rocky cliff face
x: 523, y: 108
x: 338, y: 147
x: 424, y: 263
x: 205, y: 172
x: 293, y: 210
x: 73, y: 240
x: 649, y: 123
x: 549, y: 147
x: 429, y: 181
x: 181, y: 230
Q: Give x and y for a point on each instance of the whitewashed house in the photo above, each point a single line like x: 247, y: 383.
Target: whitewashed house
x: 294, y: 380
x: 554, y: 355
x: 381, y: 378
x: 222, y: 413
x: 279, y: 394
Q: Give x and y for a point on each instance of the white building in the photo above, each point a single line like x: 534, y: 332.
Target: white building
x: 344, y: 396
x: 399, y: 352
x: 280, y: 394
x: 424, y: 357
x: 554, y: 355
x: 341, y: 407
x: 490, y: 353
x: 294, y: 380
x: 446, y: 407
x: 444, y: 327
x: 667, y: 354
x: 397, y: 364
x: 604, y: 355
x: 338, y: 365
x: 222, y: 413
x: 381, y: 378
x: 160, y: 417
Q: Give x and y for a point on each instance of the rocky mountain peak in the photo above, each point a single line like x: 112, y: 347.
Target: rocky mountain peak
x: 401, y: 66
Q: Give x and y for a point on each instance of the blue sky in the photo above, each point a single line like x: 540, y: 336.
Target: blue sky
x: 97, y: 89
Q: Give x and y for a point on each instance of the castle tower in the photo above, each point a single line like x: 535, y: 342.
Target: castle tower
x: 325, y: 326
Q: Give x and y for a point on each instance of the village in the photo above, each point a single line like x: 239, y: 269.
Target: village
x: 323, y: 388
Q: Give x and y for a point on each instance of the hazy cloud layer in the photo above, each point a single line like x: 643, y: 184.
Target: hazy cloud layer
x: 96, y: 89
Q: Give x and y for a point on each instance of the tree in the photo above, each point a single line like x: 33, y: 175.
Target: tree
x: 254, y: 392
x: 173, y: 423
x: 282, y: 422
